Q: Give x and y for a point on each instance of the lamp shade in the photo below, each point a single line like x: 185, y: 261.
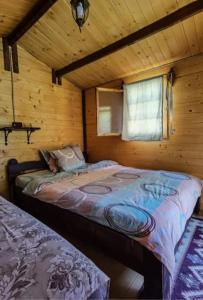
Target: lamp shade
x: 80, y: 11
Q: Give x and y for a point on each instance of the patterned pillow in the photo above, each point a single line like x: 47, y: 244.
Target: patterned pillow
x: 51, y: 162
x: 78, y: 153
x: 69, y: 158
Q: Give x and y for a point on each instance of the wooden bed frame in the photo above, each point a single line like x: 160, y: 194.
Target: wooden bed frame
x: 121, y: 247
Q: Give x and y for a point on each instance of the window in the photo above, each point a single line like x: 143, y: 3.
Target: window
x: 109, y: 111
x: 105, y: 120
x: 143, y: 110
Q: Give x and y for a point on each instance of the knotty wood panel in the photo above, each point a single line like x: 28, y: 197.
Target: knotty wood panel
x: 181, y: 152
x: 180, y: 41
x: 55, y: 39
x: 12, y: 12
x: 56, y: 109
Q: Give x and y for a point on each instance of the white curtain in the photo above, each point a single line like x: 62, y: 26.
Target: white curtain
x: 143, y: 110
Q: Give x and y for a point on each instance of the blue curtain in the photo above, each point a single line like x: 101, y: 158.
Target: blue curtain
x: 143, y: 110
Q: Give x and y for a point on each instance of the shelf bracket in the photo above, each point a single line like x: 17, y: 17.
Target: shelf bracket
x: 29, y: 132
x: 6, y: 134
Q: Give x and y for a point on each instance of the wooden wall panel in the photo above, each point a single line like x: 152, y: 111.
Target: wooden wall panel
x: 181, y: 152
x: 56, y: 40
x: 56, y: 109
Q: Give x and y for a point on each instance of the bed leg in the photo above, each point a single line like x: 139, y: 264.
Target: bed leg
x: 152, y: 276
x: 197, y: 207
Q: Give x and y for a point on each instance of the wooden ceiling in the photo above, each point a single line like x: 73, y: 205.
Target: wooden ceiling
x: 12, y: 12
x: 55, y: 39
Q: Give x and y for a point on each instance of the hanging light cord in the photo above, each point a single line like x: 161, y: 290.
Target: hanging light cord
x: 12, y: 85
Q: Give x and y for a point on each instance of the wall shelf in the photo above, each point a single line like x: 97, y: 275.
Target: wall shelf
x: 8, y: 130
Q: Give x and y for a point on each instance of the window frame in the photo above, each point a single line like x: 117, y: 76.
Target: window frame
x: 102, y: 89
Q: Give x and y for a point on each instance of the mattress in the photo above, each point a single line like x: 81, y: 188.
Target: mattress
x: 37, y: 263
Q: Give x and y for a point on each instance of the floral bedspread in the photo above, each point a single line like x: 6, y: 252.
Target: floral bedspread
x: 37, y: 263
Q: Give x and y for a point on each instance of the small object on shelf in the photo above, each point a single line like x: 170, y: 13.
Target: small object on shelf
x: 8, y: 130
x: 17, y: 124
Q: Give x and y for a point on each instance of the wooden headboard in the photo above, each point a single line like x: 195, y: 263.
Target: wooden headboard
x: 14, y: 168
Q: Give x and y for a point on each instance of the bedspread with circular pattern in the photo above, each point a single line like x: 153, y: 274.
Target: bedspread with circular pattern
x: 149, y: 206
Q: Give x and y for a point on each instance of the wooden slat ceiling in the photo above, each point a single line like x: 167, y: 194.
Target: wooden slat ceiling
x: 56, y: 40
x: 12, y: 12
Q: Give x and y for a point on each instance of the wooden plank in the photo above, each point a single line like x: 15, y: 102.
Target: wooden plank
x: 199, y: 26
x: 38, y: 10
x: 54, y: 79
x: 167, y: 21
x: 56, y: 109
x: 6, y: 54
x: 15, y: 58
x: 84, y: 123
x: 12, y: 12
x: 102, y: 89
x: 108, y: 22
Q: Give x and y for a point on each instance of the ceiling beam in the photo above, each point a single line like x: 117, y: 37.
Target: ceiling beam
x: 167, y: 21
x: 38, y: 10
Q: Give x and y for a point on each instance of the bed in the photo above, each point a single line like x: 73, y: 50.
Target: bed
x: 109, y: 219
x: 37, y: 263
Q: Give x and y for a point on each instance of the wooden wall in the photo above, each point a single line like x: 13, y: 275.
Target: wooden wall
x: 56, y: 109
x: 181, y: 152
